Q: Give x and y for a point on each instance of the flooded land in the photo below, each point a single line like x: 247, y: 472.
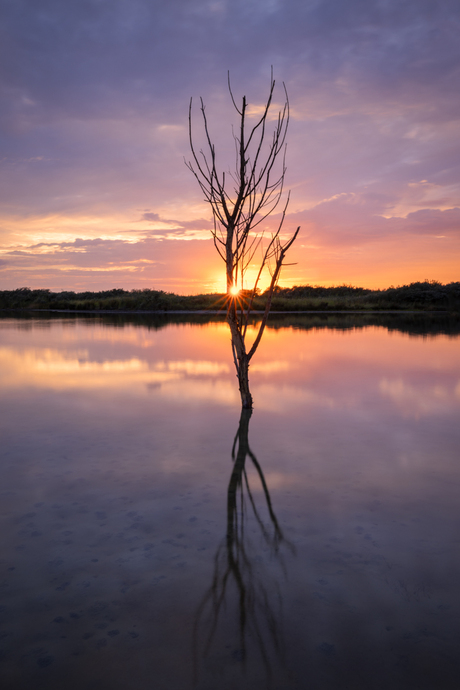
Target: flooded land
x: 154, y: 537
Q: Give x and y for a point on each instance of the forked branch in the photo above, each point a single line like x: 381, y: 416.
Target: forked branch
x: 240, y: 202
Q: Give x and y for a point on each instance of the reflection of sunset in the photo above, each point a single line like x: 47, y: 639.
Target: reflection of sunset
x: 198, y: 368
x: 320, y: 368
x: 53, y: 369
x: 270, y: 367
x: 423, y: 400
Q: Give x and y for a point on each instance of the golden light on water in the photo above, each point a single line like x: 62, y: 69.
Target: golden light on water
x: 292, y: 367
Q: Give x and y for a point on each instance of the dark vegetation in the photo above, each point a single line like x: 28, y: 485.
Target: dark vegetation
x: 413, y: 323
x: 421, y: 296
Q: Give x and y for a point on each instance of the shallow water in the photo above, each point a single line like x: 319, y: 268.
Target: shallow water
x: 137, y: 553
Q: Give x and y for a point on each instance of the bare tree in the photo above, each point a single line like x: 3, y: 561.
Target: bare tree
x: 241, y: 200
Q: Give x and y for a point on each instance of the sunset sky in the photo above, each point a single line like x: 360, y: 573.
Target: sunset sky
x: 95, y: 93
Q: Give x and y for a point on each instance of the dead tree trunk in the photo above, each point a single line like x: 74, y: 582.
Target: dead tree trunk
x: 240, y: 357
x: 256, y: 190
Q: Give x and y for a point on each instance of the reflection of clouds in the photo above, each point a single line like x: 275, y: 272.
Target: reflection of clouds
x: 177, y: 380
x: 58, y: 366
x: 55, y: 361
x: 279, y: 398
x: 416, y: 401
x: 128, y: 335
x: 192, y: 368
x: 52, y: 369
x: 201, y: 390
x: 319, y: 370
x: 278, y: 480
x: 270, y: 367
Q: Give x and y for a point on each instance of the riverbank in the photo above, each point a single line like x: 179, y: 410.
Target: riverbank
x: 421, y: 296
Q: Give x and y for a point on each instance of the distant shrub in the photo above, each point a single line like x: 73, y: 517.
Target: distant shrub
x: 427, y: 295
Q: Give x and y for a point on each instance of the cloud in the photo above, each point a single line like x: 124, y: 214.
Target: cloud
x: 356, y: 219
x: 94, y: 122
x: 183, y: 267
x: 91, y: 59
x: 179, y: 229
x: 434, y: 222
x: 150, y: 216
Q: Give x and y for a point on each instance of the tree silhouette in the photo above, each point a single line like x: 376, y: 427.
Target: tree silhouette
x: 240, y: 202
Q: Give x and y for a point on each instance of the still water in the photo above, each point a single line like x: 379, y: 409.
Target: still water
x: 153, y: 539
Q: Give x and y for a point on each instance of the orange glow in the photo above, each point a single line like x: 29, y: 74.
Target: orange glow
x: 65, y: 252
x: 234, y: 290
x: 292, y: 367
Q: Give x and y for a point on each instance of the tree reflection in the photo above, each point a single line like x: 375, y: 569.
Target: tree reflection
x: 244, y: 595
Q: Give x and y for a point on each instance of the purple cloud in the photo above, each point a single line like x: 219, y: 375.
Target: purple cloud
x: 94, y: 120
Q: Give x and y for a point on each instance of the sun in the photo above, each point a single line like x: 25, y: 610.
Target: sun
x: 234, y: 290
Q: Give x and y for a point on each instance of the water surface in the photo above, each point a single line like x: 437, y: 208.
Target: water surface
x: 150, y: 538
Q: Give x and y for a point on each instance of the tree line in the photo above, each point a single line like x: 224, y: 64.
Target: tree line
x: 423, y: 296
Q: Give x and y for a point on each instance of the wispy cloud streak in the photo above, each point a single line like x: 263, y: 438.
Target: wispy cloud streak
x: 93, y: 134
